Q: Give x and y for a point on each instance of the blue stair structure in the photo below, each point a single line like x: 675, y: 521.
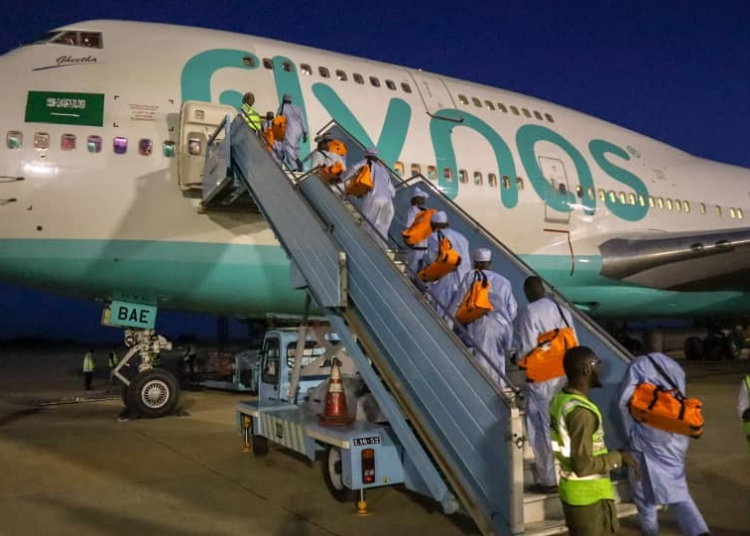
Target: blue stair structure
x: 462, y: 431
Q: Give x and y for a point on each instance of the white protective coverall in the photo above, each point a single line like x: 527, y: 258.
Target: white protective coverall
x: 445, y: 288
x: 295, y: 129
x: 377, y: 204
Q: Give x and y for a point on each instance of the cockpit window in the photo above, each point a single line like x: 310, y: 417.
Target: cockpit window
x: 44, y: 38
x: 91, y: 39
x: 67, y: 38
x: 75, y: 39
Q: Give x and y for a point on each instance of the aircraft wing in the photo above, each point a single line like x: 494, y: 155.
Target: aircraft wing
x: 689, y: 261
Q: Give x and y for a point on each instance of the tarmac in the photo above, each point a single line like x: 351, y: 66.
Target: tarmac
x: 72, y: 469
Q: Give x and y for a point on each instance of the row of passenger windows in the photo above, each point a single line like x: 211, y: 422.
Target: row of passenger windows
x: 463, y: 99
x: 94, y: 144
x: 562, y: 189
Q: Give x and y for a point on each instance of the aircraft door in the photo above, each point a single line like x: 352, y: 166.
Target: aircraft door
x: 554, y: 171
x: 198, y: 121
x: 433, y: 92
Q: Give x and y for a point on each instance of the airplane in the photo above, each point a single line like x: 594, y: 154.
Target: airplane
x: 100, y: 176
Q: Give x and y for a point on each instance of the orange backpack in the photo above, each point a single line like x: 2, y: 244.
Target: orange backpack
x: 420, y: 229
x: 268, y: 136
x: 331, y: 173
x: 362, y: 182
x: 337, y: 147
x: 447, y: 260
x: 476, y: 303
x: 278, y: 127
x: 545, y: 362
x: 666, y: 409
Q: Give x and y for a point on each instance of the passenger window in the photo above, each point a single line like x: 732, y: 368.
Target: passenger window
x: 322, y: 71
x: 91, y: 39
x: 341, y: 75
x: 41, y: 140
x: 602, y: 195
x: 621, y: 197
x: 549, y: 118
x: 526, y: 112
x: 669, y: 204
x: 374, y: 81
x: 476, y: 102
x: 502, y: 108
x: 651, y: 202
x: 287, y: 66
x: 678, y: 205
x: 506, y: 182
x: 194, y: 146
x: 462, y: 99
x: 249, y: 61
x: 145, y: 147
x: 14, y: 139
x: 641, y: 200
x: 390, y: 85
x: 120, y: 145
x: 416, y: 169
x: 432, y: 173
x: 740, y: 214
x: 514, y: 110
x: 463, y: 177
x: 562, y: 188
x: 591, y: 192
x: 732, y: 213
x: 405, y: 87
x: 538, y: 116
x: 448, y: 174
x: 631, y: 199
x: 358, y: 78
x: 94, y: 144
x: 519, y: 183
x: 306, y: 69
x: 492, y: 180
x: 68, y: 142
x: 612, y: 197
x: 168, y: 149
x: 267, y: 63
x: 660, y: 202
x: 399, y: 168
x: 489, y: 105
x: 67, y: 38
x: 478, y: 178
x: 579, y: 191
x: 703, y: 208
x: 718, y: 211
x: 686, y: 206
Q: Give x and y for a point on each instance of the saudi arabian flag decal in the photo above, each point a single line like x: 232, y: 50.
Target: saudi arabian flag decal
x: 65, y: 108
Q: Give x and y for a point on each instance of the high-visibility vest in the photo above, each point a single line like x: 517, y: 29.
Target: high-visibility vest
x: 576, y: 490
x: 88, y: 362
x: 746, y: 425
x: 112, y: 360
x: 251, y: 117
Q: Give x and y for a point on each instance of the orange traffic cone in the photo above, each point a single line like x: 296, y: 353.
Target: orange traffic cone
x: 336, y: 411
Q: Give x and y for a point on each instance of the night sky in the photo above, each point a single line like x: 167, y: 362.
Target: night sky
x: 676, y: 71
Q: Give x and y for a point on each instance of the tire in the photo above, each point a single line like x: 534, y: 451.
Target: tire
x: 713, y: 348
x: 154, y: 393
x: 332, y: 476
x: 693, y: 348
x: 260, y: 445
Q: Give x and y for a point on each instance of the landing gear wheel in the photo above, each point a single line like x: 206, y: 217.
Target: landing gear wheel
x: 260, y: 445
x: 332, y: 474
x: 693, y: 348
x: 154, y: 393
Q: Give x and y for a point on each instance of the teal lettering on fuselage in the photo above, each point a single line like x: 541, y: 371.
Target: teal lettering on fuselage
x: 395, y: 125
x: 196, y: 75
x: 526, y: 139
x: 441, y: 131
x: 633, y: 211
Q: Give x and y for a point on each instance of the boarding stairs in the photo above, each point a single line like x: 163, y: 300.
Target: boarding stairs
x: 463, y: 433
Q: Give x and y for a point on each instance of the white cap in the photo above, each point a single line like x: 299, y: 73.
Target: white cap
x: 482, y: 255
x: 439, y: 217
x: 418, y: 192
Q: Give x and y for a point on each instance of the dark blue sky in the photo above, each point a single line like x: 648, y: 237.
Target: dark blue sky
x: 676, y: 71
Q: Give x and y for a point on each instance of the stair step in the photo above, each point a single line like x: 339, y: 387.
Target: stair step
x: 557, y: 526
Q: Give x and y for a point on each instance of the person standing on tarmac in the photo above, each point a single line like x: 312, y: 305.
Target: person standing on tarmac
x: 577, y: 431
x: 112, y: 361
x: 493, y: 331
x: 540, y: 316
x: 661, y: 454
x: 294, y: 131
x: 88, y: 369
x: 248, y: 113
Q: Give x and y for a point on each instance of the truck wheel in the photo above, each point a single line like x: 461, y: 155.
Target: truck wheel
x: 154, y: 393
x: 332, y: 474
x: 260, y: 445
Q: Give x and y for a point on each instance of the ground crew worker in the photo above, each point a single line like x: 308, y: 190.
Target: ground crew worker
x: 417, y: 252
x: 578, y: 441
x: 660, y: 454
x: 88, y: 369
x: 444, y: 289
x: 743, y: 407
x: 112, y: 361
x: 326, y: 159
x: 273, y: 146
x: 541, y: 315
x: 248, y: 113
x: 295, y: 129
x: 493, y: 331
x: 377, y: 204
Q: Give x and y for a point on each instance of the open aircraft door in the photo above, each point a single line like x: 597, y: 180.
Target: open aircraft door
x: 198, y: 120
x: 433, y: 92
